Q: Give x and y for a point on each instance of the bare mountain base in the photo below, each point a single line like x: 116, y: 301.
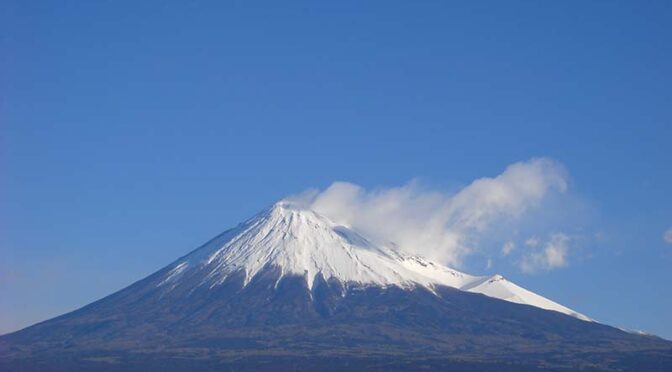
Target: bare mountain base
x: 273, y: 324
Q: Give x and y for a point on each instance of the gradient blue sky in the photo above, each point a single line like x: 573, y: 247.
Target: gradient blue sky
x: 131, y: 132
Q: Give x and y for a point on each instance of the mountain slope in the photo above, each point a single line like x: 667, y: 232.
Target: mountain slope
x: 289, y: 290
x: 300, y: 242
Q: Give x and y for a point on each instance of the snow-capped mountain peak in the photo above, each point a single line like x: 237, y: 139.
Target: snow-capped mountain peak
x: 299, y: 242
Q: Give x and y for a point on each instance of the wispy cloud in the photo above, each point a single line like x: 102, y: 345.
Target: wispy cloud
x: 667, y: 236
x: 508, y: 247
x: 532, y: 242
x: 441, y: 225
x: 553, y: 255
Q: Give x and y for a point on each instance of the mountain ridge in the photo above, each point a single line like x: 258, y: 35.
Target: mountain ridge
x: 302, y: 242
x: 232, y: 305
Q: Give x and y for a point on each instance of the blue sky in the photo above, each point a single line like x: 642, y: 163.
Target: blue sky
x: 131, y: 133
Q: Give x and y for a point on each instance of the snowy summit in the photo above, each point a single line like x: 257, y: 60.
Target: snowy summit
x: 299, y: 242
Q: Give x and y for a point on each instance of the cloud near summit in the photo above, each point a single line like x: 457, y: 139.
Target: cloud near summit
x: 441, y: 225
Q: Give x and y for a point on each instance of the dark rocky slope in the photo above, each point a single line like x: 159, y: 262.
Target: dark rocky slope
x: 270, y: 325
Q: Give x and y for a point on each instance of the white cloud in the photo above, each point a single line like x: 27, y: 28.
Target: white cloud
x: 667, y: 236
x: 532, y: 242
x: 508, y: 247
x: 436, y: 224
x: 552, y: 256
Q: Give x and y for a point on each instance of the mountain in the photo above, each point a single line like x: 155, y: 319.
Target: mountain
x: 290, y: 290
x: 302, y: 243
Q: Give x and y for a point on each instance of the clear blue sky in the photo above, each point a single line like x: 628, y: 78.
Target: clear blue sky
x: 131, y: 132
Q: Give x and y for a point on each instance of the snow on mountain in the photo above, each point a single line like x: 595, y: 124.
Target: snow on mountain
x: 300, y: 242
x: 498, y: 287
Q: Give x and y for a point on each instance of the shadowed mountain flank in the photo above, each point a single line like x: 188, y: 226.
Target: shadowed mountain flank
x: 289, y: 290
